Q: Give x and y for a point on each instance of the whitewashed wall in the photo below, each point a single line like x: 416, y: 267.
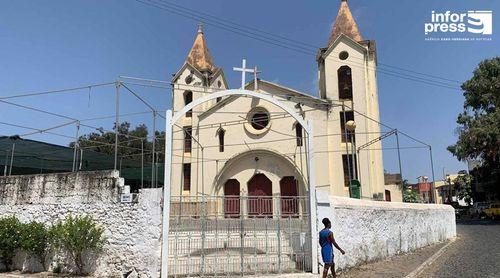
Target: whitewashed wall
x: 133, y: 230
x: 372, y: 230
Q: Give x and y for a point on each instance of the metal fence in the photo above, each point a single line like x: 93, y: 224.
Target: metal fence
x: 233, y: 236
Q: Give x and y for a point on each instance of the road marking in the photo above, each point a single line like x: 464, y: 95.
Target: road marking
x: 429, y: 261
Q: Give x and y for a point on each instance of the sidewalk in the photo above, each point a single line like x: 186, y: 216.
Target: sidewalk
x: 397, y: 266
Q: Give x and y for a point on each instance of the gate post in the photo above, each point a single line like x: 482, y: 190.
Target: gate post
x: 166, y: 194
x: 312, y: 200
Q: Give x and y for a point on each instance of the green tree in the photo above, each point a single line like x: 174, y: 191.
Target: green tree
x: 479, y: 125
x: 463, y: 185
x: 129, y: 145
x: 409, y: 195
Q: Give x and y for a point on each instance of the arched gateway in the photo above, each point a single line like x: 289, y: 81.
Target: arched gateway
x: 257, y: 186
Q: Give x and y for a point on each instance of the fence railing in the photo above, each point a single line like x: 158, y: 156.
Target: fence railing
x: 233, y: 235
x: 238, y: 206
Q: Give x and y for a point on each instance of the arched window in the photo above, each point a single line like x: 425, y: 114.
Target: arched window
x: 188, y: 98
x: 298, y: 135
x: 345, y: 82
x: 220, y: 133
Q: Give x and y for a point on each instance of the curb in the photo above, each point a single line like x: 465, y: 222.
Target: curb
x: 429, y: 261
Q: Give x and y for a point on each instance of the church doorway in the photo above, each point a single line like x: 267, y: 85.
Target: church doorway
x: 260, y: 191
x: 289, y: 193
x: 232, y: 198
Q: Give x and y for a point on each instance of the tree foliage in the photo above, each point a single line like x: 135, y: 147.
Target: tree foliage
x: 35, y: 240
x: 129, y: 142
x: 479, y: 124
x: 409, y: 195
x: 463, y: 185
x: 10, y: 239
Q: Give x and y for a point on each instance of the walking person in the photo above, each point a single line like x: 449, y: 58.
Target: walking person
x: 327, y: 241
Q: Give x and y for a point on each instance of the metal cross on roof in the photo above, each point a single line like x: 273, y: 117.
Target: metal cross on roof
x: 244, y: 70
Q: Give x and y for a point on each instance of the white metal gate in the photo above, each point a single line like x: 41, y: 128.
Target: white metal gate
x: 204, y: 240
x: 308, y: 219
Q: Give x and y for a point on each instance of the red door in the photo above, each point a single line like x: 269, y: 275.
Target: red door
x: 232, y: 198
x: 289, y: 201
x: 260, y: 191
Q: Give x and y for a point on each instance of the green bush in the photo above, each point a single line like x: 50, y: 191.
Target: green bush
x: 10, y: 235
x: 78, y: 235
x: 35, y: 240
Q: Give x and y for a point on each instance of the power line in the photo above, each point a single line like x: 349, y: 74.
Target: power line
x: 210, y: 21
x: 57, y: 91
x: 301, y: 44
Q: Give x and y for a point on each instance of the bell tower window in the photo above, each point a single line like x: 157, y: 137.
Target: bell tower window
x: 188, y: 98
x: 221, y: 132
x: 345, y: 83
x: 298, y: 135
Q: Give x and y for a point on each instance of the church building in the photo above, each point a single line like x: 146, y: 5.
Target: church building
x: 244, y: 146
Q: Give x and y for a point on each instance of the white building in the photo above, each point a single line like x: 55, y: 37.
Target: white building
x: 248, y: 147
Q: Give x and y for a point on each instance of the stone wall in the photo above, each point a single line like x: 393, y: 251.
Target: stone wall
x: 132, y: 229
x: 372, y: 230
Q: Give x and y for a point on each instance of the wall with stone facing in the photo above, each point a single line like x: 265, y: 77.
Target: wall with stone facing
x: 132, y: 229
x: 372, y: 230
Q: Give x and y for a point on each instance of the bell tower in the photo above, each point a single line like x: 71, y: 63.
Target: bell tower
x: 347, y: 76
x: 197, y: 77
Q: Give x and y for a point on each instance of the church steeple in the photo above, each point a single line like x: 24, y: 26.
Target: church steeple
x: 199, y: 56
x: 344, y: 24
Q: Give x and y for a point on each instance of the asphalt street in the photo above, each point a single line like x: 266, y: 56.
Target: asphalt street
x: 476, y: 252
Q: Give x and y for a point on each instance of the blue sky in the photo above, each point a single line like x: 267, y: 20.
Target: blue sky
x: 57, y: 44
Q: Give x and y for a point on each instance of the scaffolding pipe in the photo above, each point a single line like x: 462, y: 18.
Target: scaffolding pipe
x: 399, y: 161
x: 347, y: 149
x: 153, y: 161
x: 6, y: 163
x: 75, y: 145
x: 12, y: 158
x: 81, y: 159
x: 117, y: 110
x: 433, y: 195
x: 142, y: 163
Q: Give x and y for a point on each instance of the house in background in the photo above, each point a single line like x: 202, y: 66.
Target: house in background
x: 446, y: 191
x: 424, y: 189
x: 392, y: 186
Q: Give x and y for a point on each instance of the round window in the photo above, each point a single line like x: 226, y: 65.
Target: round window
x: 259, y: 120
x: 343, y: 55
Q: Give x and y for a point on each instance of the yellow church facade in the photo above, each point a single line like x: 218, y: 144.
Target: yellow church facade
x: 245, y: 146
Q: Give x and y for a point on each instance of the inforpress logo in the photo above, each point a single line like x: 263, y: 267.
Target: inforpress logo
x: 480, y: 22
x: 448, y: 26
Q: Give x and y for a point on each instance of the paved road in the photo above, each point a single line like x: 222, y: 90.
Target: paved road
x: 476, y: 252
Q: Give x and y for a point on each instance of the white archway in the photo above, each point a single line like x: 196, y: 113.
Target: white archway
x: 171, y: 119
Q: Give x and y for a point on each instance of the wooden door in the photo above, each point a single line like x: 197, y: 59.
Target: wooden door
x: 289, y: 200
x: 260, y: 191
x: 388, y: 195
x: 232, y: 198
